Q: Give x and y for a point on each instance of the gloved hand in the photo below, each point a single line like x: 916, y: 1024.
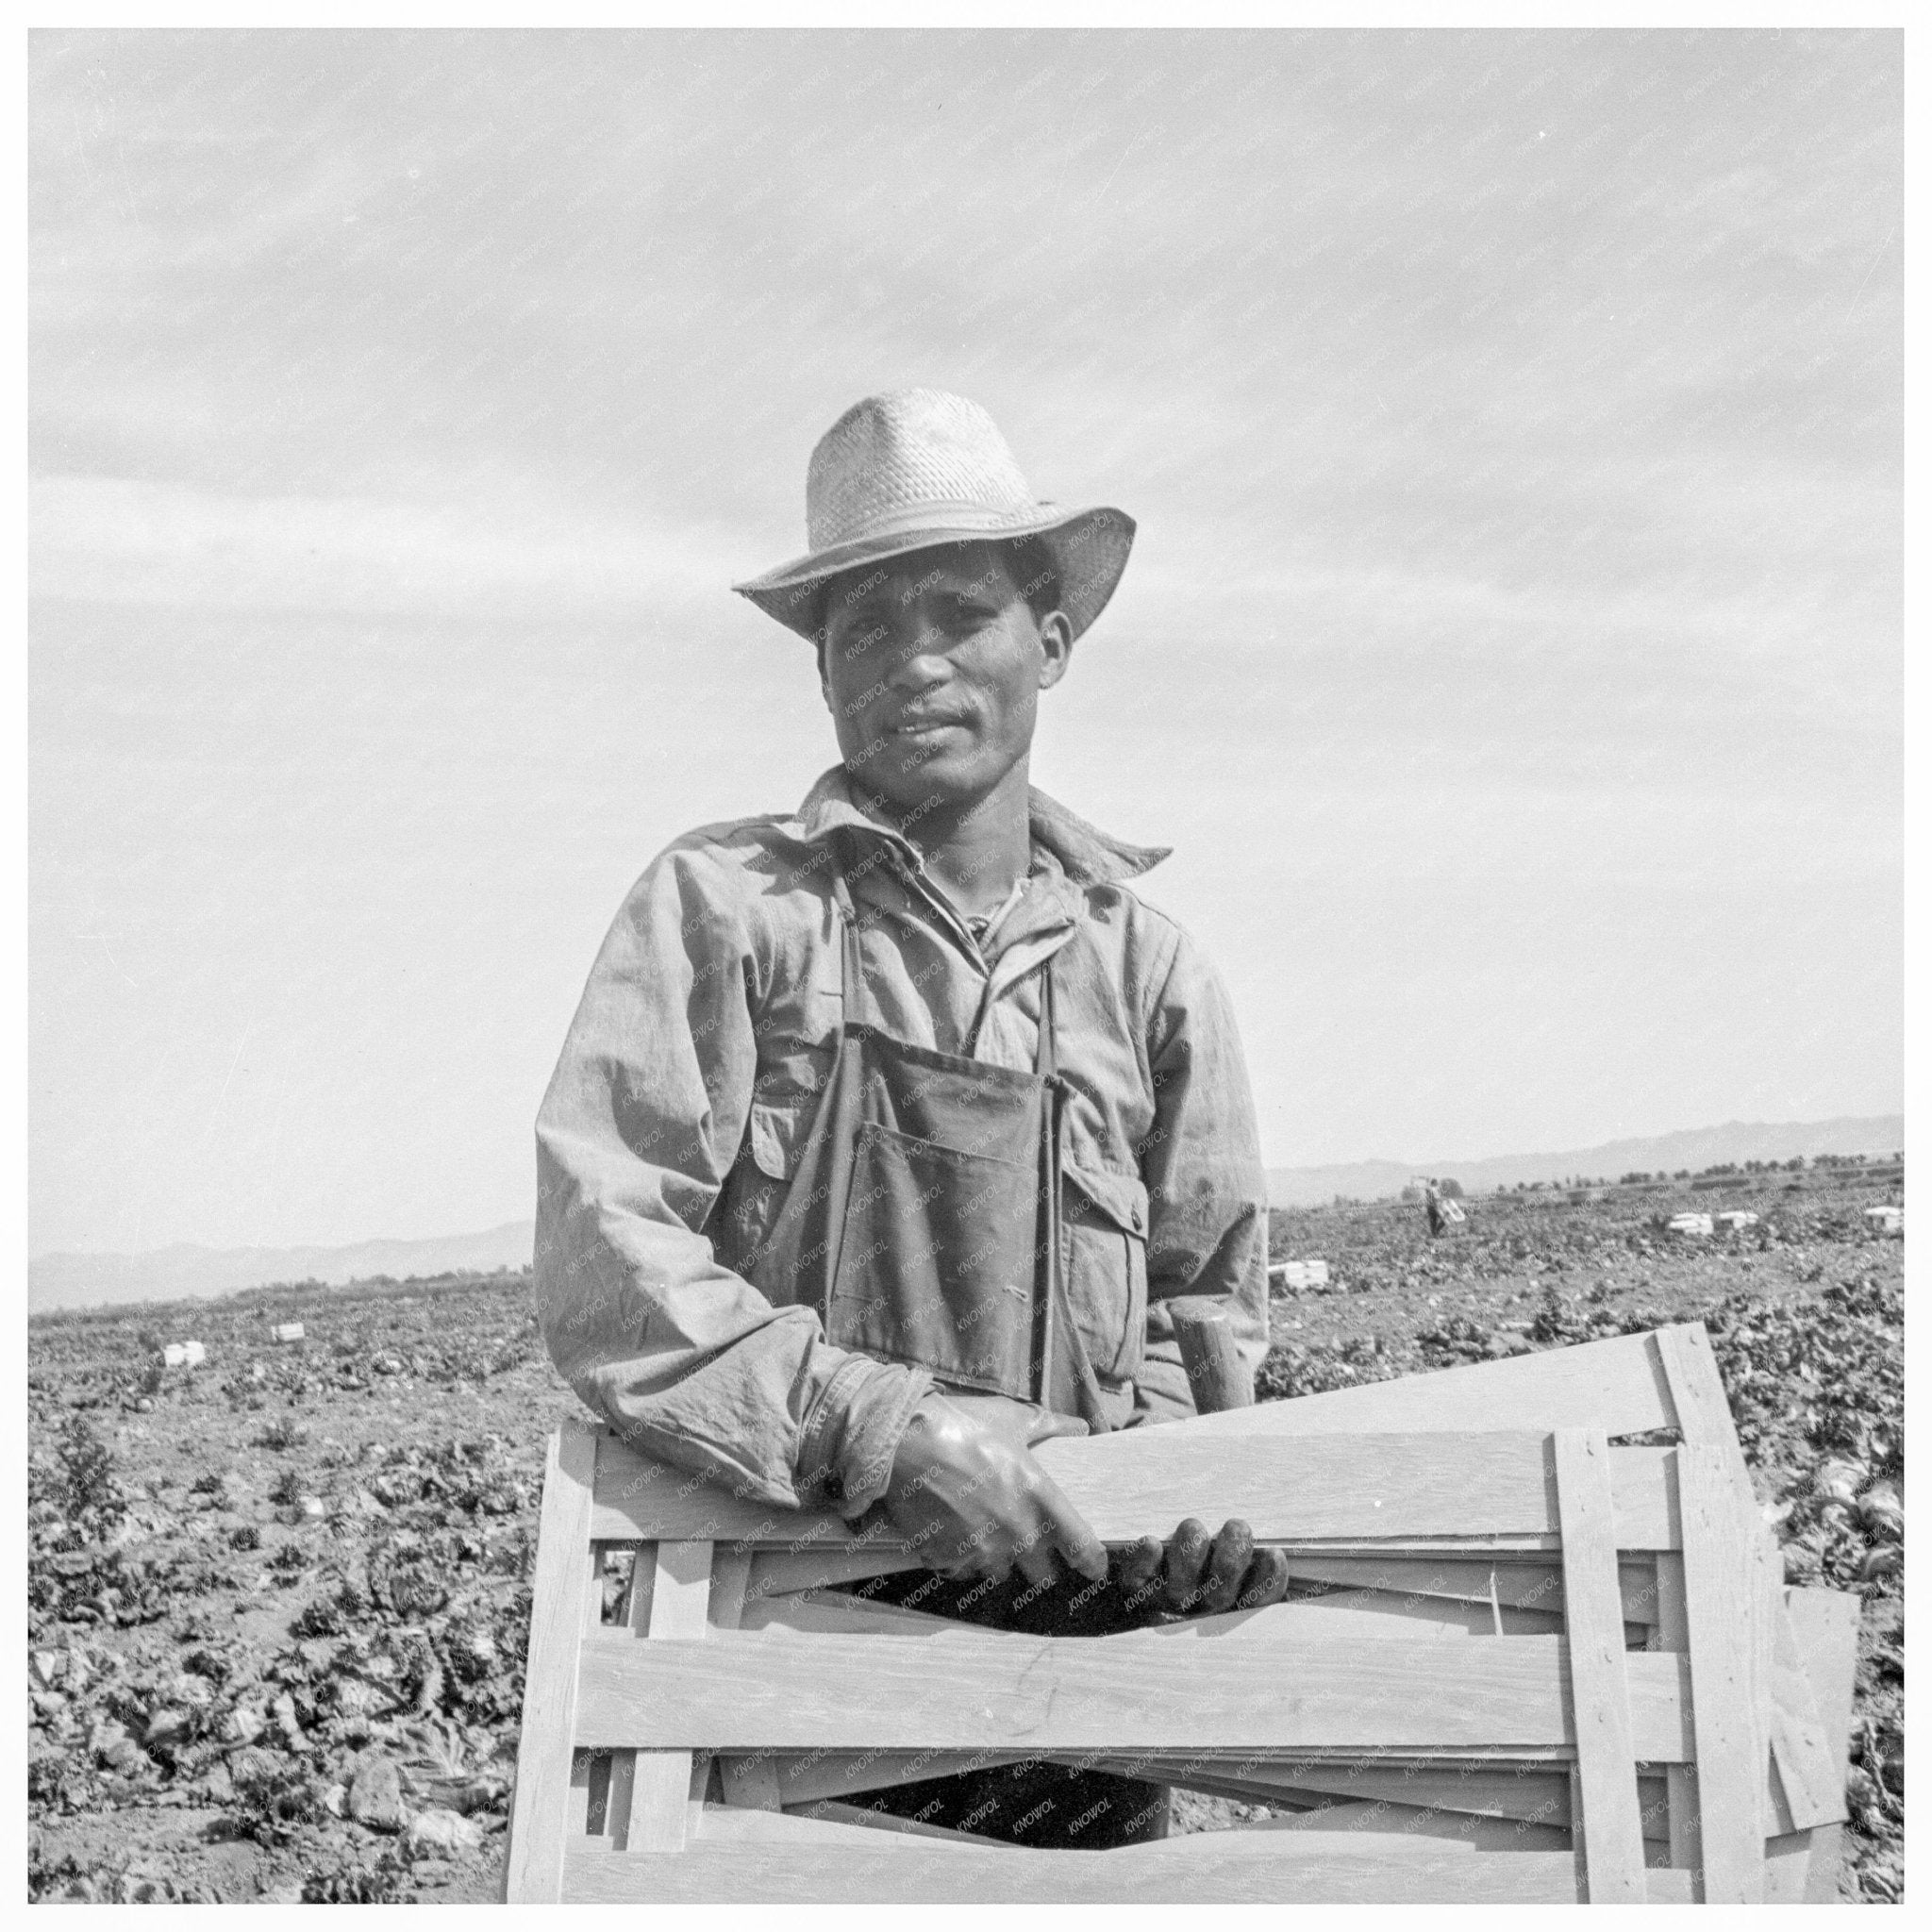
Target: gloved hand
x: 972, y: 1501
x: 1200, y: 1574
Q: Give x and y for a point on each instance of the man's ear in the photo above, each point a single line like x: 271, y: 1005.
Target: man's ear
x: 1056, y: 648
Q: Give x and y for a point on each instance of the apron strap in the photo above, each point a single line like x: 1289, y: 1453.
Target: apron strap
x: 1045, y: 1057
x: 852, y: 972
x: 1066, y: 1379
x: 1050, y: 1325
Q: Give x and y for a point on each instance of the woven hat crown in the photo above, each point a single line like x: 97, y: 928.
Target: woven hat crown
x: 911, y: 457
x: 916, y: 468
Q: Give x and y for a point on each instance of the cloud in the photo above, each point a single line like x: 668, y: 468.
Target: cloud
x: 111, y: 539
x: 1510, y: 421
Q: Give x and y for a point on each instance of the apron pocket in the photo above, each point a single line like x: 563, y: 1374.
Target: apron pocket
x: 1105, y: 1220
x: 936, y: 1265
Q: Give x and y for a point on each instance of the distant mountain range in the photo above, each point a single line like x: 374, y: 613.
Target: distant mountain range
x: 187, y: 1272
x: 1694, y: 1147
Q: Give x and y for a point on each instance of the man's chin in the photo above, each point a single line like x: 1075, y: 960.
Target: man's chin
x: 912, y: 777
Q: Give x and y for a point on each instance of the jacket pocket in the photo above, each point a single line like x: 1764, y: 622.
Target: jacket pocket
x: 777, y: 1129
x: 1105, y: 1219
x: 784, y: 1103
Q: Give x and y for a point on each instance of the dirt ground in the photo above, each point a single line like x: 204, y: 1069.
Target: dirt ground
x: 278, y: 1599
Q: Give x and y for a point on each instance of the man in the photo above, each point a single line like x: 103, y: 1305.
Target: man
x: 887, y: 1128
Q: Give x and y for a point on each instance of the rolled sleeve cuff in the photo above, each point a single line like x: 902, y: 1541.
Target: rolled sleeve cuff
x: 845, y: 1453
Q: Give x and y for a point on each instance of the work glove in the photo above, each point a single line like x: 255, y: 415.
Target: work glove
x: 1198, y: 1575
x: 968, y: 1496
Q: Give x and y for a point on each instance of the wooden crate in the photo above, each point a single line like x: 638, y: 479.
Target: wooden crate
x: 1474, y: 1583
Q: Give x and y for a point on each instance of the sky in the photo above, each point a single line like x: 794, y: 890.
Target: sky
x: 1510, y: 650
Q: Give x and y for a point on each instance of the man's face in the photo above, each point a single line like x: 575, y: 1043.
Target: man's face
x: 933, y: 668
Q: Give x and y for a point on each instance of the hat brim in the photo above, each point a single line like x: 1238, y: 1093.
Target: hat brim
x: 1089, y: 547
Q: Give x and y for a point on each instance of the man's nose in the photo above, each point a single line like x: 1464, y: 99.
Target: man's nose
x: 917, y: 656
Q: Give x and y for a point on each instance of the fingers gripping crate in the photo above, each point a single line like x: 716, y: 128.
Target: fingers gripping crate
x: 1522, y: 1664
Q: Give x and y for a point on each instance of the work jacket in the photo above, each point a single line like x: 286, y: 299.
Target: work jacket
x: 689, y: 1081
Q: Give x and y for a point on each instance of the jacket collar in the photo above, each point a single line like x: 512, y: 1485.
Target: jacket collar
x: 1086, y: 854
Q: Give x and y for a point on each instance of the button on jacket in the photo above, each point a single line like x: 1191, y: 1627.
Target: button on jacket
x: 690, y: 1079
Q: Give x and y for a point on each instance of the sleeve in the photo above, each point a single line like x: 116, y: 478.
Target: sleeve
x: 641, y: 1123
x: 1208, y: 1196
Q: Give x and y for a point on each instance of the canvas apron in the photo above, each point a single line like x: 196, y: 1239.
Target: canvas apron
x: 923, y: 1217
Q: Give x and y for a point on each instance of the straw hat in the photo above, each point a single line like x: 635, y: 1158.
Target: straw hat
x: 916, y: 468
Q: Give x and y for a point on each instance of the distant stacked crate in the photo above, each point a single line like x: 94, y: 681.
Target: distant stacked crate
x: 1299, y: 1274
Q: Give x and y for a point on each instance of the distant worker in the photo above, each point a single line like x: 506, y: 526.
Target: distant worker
x: 1432, y: 1207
